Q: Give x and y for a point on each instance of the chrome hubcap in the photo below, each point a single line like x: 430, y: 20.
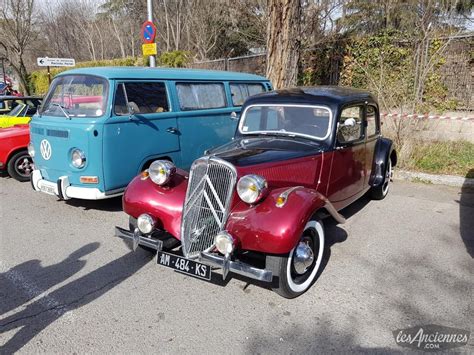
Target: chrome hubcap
x: 303, y: 257
x: 24, y: 166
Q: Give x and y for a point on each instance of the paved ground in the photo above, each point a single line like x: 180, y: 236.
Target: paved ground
x: 66, y: 285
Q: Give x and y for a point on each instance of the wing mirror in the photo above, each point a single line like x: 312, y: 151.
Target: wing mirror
x: 234, y: 116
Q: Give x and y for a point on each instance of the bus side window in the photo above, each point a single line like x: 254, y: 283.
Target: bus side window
x: 145, y: 98
x: 240, y: 92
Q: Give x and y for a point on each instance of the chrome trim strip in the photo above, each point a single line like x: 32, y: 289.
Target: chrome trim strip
x: 138, y: 239
x: 236, y: 267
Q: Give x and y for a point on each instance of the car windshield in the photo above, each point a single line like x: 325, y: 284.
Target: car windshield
x: 76, y: 96
x: 17, y: 111
x: 289, y: 120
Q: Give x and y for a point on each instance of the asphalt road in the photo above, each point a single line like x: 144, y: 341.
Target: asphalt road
x: 68, y: 286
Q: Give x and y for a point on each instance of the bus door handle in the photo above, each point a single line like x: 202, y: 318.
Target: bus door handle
x: 172, y: 130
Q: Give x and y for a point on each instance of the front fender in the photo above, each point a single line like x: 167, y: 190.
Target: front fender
x: 269, y: 229
x: 163, y: 203
x: 383, y: 150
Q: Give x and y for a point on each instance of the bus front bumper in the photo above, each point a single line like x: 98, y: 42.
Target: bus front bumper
x: 64, y: 190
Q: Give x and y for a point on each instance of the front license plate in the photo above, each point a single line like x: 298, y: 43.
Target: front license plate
x: 47, y: 189
x: 184, y: 265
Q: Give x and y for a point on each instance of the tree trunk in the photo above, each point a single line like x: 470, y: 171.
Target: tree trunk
x: 283, y: 42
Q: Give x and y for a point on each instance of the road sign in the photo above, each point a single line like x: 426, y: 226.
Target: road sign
x: 148, y: 32
x: 55, y: 62
x: 149, y: 49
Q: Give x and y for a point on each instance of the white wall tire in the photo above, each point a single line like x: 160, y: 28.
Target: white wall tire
x: 291, y: 283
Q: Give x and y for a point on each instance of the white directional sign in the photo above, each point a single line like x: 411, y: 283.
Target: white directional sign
x: 55, y: 62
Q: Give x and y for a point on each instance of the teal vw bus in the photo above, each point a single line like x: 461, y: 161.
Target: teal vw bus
x: 99, y: 127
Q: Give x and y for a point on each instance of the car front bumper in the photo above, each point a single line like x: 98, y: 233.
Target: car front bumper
x: 211, y: 259
x: 64, y: 190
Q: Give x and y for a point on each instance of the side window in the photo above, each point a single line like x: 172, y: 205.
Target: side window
x: 350, y: 127
x: 372, y: 126
x: 147, y: 97
x: 201, y: 96
x: 240, y: 92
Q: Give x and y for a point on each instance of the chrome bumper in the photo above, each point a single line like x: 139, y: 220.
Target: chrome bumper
x: 138, y: 239
x: 212, y: 260
x: 235, y: 267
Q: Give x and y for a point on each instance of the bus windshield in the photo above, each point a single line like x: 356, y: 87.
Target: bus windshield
x: 76, y: 96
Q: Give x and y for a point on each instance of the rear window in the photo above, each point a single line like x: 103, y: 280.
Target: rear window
x: 148, y: 97
x: 201, y: 96
x: 240, y: 92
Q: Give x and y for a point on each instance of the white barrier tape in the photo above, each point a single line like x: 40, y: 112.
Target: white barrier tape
x: 433, y: 117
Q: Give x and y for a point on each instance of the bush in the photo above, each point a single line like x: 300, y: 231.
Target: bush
x: 174, y: 59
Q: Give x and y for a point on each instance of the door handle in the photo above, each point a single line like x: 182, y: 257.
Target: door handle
x: 172, y: 130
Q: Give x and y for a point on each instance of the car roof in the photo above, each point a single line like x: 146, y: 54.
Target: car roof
x: 163, y: 73
x: 323, y: 95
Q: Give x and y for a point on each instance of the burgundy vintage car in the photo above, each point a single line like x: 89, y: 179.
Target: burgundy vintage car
x: 256, y: 205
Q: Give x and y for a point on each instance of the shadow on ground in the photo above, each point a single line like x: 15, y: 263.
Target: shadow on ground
x: 33, y: 318
x: 466, y: 215
x: 109, y: 205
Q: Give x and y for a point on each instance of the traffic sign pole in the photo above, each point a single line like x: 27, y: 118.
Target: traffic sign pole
x: 149, y: 6
x: 49, y: 75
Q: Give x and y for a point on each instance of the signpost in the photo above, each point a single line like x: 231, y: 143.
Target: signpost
x: 149, y: 34
x: 54, y: 62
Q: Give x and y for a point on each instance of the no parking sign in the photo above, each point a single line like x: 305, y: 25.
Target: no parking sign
x: 148, y: 32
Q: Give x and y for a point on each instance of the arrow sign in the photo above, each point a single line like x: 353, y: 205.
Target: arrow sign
x: 55, y: 62
x: 148, y: 32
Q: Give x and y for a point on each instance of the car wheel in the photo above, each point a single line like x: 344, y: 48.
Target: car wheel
x: 169, y: 242
x: 380, y: 192
x: 297, y: 271
x: 20, y: 166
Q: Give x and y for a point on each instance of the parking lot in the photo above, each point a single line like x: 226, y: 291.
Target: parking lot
x: 67, y: 285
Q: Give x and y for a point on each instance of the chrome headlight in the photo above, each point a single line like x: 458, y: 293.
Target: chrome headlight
x: 161, y: 171
x: 252, y: 188
x: 224, y: 243
x: 78, y: 158
x: 145, y: 223
x: 31, y: 150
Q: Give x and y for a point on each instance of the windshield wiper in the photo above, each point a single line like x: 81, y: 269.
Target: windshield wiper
x: 62, y: 109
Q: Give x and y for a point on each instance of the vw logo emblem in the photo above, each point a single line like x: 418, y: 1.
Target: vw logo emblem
x: 45, y: 149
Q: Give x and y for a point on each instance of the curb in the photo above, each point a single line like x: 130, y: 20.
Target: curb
x: 450, y: 180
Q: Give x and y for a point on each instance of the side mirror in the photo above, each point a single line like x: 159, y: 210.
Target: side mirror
x: 234, y: 116
x: 131, y: 109
x: 349, y: 122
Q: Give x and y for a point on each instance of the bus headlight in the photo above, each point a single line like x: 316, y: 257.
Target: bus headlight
x: 161, y: 171
x: 252, y: 188
x: 78, y: 158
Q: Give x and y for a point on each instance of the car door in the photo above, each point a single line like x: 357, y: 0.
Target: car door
x: 348, y: 170
x: 142, y: 127
x: 204, y: 119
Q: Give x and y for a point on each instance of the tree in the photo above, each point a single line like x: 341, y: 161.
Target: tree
x: 16, y: 35
x: 283, y: 42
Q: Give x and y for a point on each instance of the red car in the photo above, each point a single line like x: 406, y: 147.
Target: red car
x: 256, y: 205
x: 14, y: 157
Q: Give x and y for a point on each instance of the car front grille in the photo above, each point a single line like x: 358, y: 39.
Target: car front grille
x: 210, y: 189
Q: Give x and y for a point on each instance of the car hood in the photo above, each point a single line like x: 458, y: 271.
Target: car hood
x: 14, y: 131
x: 257, y: 150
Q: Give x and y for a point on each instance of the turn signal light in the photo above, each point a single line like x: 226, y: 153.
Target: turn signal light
x: 144, y: 175
x: 89, y: 179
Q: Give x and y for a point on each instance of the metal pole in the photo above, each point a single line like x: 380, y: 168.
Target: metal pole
x: 49, y: 75
x: 149, y: 6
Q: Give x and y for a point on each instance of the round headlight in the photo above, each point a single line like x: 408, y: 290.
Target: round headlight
x: 78, y: 158
x: 31, y: 150
x: 224, y: 243
x: 161, y: 171
x: 252, y: 188
x: 145, y: 223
